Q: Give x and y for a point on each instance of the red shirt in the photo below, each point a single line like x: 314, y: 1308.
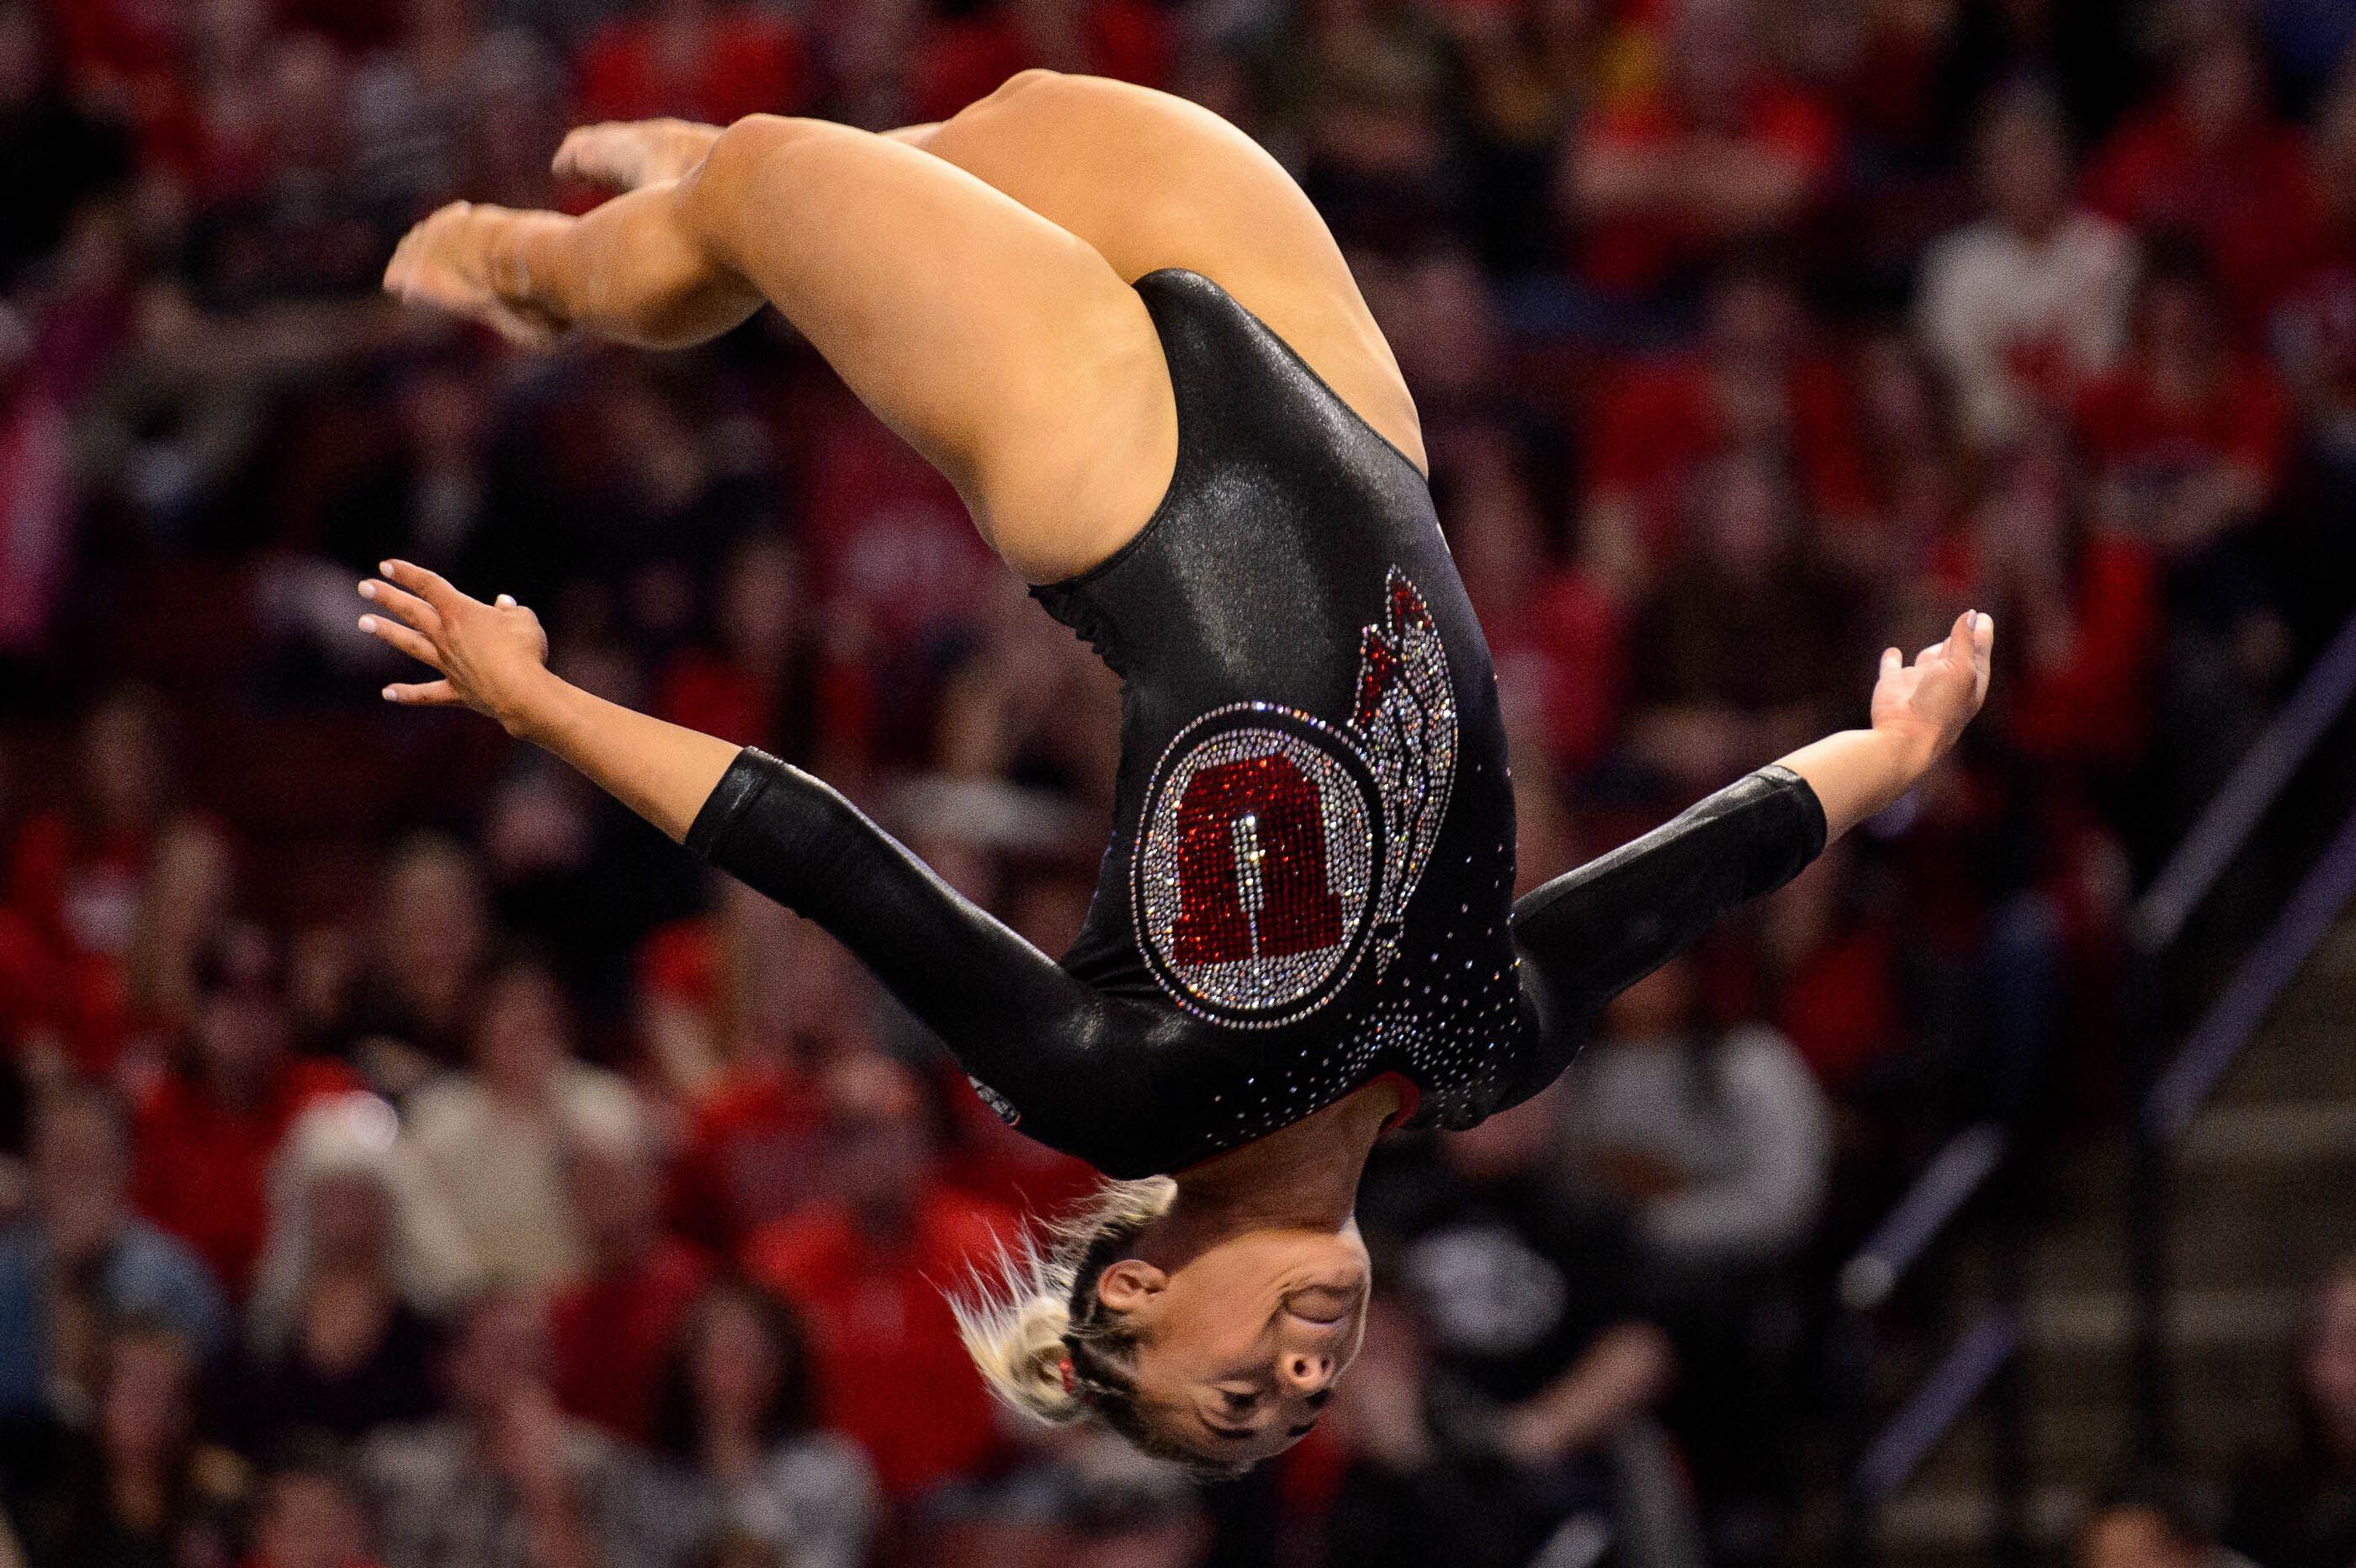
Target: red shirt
x: 889, y: 541
x: 204, y: 1166
x: 1560, y: 654
x: 750, y: 1154
x: 2092, y: 704
x: 1636, y: 252
x: 2128, y: 432
x: 73, y: 901
x: 1658, y: 420
x: 740, y: 61
x: 995, y: 1163
x: 613, y: 1335
x: 2249, y: 198
x: 1840, y: 1004
x: 891, y: 1370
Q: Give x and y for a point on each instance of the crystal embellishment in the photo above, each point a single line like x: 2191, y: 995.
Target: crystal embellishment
x: 1278, y: 848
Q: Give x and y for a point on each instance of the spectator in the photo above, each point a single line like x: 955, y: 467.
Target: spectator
x: 734, y: 990
x: 695, y: 60
x: 307, y: 1513
x: 74, y: 881
x: 2149, y: 1525
x: 492, y: 1139
x: 1746, y: 576
x: 37, y: 515
x: 2299, y: 1511
x: 79, y: 1260
x: 340, y: 1337
x: 1555, y: 635
x: 866, y: 1264
x: 207, y: 1130
x: 1752, y: 390
x: 1716, y: 1138
x: 2314, y: 329
x: 54, y: 154
x: 432, y: 933
x: 2028, y: 304
x: 1511, y: 1407
x: 1724, y: 150
x: 613, y: 1326
x: 2209, y: 157
x: 737, y: 1410
x: 505, y: 1480
x: 138, y: 1491
x: 2185, y: 438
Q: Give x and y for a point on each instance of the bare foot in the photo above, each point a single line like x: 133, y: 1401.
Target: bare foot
x: 450, y: 262
x: 623, y: 154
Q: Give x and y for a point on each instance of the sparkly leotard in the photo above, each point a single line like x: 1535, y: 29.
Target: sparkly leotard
x: 1309, y: 884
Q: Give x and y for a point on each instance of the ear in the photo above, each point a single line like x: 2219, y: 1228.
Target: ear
x: 1129, y: 1284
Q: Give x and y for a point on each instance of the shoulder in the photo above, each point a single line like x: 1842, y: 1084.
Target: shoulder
x: 824, y: 1469
x: 1760, y: 1060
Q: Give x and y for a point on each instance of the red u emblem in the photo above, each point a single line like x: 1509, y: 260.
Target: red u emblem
x: 1252, y: 880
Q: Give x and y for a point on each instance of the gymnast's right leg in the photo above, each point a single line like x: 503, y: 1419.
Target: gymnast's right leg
x: 1004, y: 348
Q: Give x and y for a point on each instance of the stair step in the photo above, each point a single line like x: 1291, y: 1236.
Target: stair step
x: 2103, y: 1321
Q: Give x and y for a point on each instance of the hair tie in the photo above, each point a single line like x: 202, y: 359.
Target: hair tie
x: 1071, y: 1380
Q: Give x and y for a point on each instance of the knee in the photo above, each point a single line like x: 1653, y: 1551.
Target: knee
x: 1039, y: 89
x: 740, y: 157
x: 1027, y: 81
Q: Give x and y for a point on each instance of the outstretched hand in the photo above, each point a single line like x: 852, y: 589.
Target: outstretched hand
x: 1931, y: 699
x: 491, y: 657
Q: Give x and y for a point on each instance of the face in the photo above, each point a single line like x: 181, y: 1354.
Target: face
x: 2025, y: 168
x: 351, y: 1211
x: 502, y: 1350
x: 732, y: 1362
x: 2330, y: 1370
x: 307, y: 1521
x: 79, y: 1167
x: 2133, y: 1538
x: 143, y: 1411
x: 522, y: 1035
x: 1241, y: 1347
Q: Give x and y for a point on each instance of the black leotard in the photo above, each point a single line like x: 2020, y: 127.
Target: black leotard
x: 1310, y: 882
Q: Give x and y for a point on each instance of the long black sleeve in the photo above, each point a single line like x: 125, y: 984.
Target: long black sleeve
x: 1076, y: 1069
x: 1590, y: 933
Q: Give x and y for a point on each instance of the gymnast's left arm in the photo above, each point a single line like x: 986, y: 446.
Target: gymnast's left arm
x: 1588, y: 935
x: 493, y: 659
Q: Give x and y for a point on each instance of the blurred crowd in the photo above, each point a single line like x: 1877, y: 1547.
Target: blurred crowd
x: 408, y: 1158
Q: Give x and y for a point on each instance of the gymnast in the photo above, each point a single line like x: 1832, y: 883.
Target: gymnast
x: 1123, y: 333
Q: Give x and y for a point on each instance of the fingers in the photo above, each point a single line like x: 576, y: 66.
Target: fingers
x: 405, y: 606
x: 1892, y: 661
x: 425, y: 694
x: 427, y: 585
x: 1983, y: 653
x: 1959, y: 636
x: 396, y: 636
x: 401, y: 274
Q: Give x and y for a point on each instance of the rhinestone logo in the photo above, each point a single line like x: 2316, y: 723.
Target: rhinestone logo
x: 1276, y: 849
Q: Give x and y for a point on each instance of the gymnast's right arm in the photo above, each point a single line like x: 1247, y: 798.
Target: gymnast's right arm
x: 1011, y: 1016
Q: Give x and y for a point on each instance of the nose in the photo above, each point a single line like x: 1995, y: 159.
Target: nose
x: 1305, y: 1371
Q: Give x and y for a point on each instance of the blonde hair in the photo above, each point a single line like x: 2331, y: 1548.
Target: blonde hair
x: 1043, y: 1341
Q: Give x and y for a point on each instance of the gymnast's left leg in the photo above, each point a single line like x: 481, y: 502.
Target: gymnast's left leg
x: 999, y: 345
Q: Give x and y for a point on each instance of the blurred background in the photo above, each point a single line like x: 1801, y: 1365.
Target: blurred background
x: 407, y: 1158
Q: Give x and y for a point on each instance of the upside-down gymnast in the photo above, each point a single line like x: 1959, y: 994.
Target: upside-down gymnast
x: 1123, y: 333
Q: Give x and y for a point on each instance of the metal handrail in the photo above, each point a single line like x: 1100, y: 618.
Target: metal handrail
x: 2256, y: 782
x: 2159, y: 917
x: 1955, y: 1174
x: 2233, y: 1019
x: 1936, y: 1404
x: 1973, y: 1157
